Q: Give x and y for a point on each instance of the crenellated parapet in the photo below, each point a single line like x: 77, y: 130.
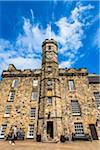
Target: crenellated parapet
x: 73, y: 72
x: 13, y: 72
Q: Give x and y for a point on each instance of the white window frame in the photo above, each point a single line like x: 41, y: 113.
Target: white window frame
x: 97, y: 99
x: 34, y: 96
x: 2, y: 130
x: 33, y: 112
x: 79, y: 130
x: 76, y: 111
x: 71, y: 85
x: 30, y: 133
x: 11, y: 96
x: 15, y: 83
x: 35, y: 82
x: 7, y: 111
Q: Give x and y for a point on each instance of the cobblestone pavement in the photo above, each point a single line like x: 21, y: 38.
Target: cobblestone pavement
x: 29, y: 145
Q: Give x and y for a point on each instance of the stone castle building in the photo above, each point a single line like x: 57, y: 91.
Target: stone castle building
x: 50, y: 101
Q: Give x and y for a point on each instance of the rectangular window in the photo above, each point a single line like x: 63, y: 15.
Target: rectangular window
x: 97, y: 98
x: 75, y: 107
x: 49, y: 68
x: 30, y: 133
x: 33, y: 111
x: 71, y: 85
x: 49, y: 47
x: 79, y: 129
x: 49, y: 93
x: 15, y: 83
x: 49, y: 83
x: 34, y: 95
x: 2, y: 130
x: 49, y: 99
x: 7, y: 111
x: 11, y: 96
x: 35, y: 82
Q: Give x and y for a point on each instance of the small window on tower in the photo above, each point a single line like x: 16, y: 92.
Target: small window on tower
x: 49, y: 92
x: 49, y: 68
x: 49, y: 99
x: 49, y: 83
x: 49, y: 47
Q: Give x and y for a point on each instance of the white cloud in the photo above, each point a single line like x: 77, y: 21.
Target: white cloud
x: 25, y: 51
x: 65, y: 64
x: 71, y: 33
x: 5, y: 44
x: 25, y: 63
x: 96, y: 39
x: 32, y: 14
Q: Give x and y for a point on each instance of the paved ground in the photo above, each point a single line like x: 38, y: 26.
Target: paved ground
x: 29, y: 145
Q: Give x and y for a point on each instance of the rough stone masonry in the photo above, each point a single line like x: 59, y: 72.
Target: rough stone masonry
x: 51, y: 101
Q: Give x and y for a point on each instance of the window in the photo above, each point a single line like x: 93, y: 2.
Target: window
x: 34, y: 95
x: 97, y: 98
x: 35, y: 82
x: 49, y: 92
x: 49, y: 99
x: 7, y: 111
x: 79, y: 129
x: 2, y: 130
x: 30, y: 133
x: 33, y: 110
x: 75, y: 107
x: 49, y: 47
x: 71, y: 85
x: 15, y: 83
x: 49, y: 82
x: 11, y: 96
x: 49, y: 68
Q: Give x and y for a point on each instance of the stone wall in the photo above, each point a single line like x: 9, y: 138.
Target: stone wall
x: 22, y: 104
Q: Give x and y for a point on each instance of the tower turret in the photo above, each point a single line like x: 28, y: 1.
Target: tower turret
x: 50, y: 96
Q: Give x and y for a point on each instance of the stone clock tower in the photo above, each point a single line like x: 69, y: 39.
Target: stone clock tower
x: 49, y: 118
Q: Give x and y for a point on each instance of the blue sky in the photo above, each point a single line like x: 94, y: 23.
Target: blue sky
x: 73, y: 24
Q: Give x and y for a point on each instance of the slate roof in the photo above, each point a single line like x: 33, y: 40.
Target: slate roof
x: 94, y: 79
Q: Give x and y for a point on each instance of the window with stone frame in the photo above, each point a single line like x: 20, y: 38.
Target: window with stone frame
x: 11, y: 96
x: 15, y: 83
x: 35, y: 82
x: 97, y: 99
x: 49, y: 92
x: 2, y: 130
x: 34, y: 95
x: 30, y: 133
x: 76, y: 111
x: 49, y: 69
x: 49, y: 83
x: 33, y: 112
x: 7, y: 111
x: 79, y: 131
x: 49, y: 100
x: 49, y: 47
x: 71, y: 85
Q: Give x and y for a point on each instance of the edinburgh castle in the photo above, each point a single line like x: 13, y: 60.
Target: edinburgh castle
x: 50, y: 102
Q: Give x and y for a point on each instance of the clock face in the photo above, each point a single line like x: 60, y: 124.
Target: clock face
x: 51, y: 57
